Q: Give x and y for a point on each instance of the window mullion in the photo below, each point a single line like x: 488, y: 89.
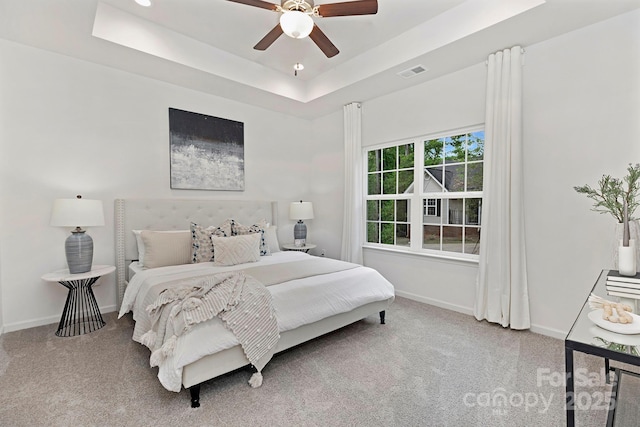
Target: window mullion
x: 416, y: 199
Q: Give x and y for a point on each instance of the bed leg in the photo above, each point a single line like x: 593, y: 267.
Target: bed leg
x: 195, y: 395
x: 382, y: 313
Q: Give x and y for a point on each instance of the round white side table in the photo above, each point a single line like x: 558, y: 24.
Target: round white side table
x: 291, y: 247
x: 81, y: 314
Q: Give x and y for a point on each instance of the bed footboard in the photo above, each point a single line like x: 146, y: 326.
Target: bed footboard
x: 214, y: 365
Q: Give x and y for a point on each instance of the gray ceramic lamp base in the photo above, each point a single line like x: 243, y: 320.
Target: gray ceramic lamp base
x: 79, y: 250
x: 300, y: 232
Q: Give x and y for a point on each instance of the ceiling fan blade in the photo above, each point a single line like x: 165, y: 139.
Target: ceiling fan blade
x: 323, y: 42
x: 257, y: 3
x: 348, y: 8
x: 269, y: 38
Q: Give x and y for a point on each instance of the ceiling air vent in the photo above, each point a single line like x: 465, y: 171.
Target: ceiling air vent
x: 413, y: 71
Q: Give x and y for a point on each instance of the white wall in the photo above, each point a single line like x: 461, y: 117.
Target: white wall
x: 581, y: 109
x: 1, y: 318
x: 581, y: 120
x: 73, y: 127
x: 327, y: 185
x: 449, y: 102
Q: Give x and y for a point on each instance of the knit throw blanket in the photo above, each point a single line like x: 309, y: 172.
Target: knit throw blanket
x: 241, y: 302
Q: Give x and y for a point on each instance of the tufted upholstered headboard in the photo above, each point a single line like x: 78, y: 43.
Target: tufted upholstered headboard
x: 176, y: 214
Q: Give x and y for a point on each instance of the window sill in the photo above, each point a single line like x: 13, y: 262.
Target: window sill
x: 444, y: 257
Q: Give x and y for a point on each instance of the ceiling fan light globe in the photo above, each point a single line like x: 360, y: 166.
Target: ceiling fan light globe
x: 296, y: 24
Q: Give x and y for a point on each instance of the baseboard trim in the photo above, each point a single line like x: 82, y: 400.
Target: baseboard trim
x: 538, y: 329
x: 550, y: 332
x: 17, y: 326
x: 435, y: 302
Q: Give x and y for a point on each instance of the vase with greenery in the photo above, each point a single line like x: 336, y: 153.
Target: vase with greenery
x: 611, y: 193
x: 619, y: 197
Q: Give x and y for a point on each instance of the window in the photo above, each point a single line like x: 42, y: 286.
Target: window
x: 390, y: 181
x: 441, y: 177
x: 431, y: 207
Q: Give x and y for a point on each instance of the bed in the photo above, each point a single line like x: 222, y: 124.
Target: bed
x: 305, y: 306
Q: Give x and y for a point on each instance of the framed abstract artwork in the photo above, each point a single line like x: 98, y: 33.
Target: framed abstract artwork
x: 206, y: 153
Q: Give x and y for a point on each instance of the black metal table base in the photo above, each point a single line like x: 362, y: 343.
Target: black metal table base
x: 81, y: 314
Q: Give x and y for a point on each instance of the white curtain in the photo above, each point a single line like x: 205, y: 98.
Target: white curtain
x: 352, y: 227
x: 502, y: 294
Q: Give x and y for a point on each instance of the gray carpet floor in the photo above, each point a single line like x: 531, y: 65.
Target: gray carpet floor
x: 425, y: 367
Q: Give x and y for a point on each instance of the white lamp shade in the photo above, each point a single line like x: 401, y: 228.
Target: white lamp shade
x: 296, y: 24
x: 77, y: 213
x: 301, y: 210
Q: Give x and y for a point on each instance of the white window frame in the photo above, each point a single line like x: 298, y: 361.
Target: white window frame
x: 418, y: 197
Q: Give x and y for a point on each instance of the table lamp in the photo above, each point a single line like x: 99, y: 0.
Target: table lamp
x: 78, y: 213
x: 300, y: 210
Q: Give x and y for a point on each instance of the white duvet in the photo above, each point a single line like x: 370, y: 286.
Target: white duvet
x: 296, y: 302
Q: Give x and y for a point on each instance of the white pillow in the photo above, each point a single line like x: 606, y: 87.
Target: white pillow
x: 238, y: 229
x: 162, y: 248
x: 236, y: 249
x: 140, y: 242
x: 271, y: 238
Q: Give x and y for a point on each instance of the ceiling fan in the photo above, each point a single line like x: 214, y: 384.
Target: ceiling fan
x: 296, y: 20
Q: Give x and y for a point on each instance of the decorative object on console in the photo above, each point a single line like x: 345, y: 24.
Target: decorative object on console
x: 618, y: 346
x: 614, y: 316
x: 207, y: 153
x: 300, y: 210
x: 633, y: 328
x: 627, y: 250
x: 78, y: 213
x: 614, y: 312
x: 613, y: 198
x: 607, y: 198
x: 627, y: 288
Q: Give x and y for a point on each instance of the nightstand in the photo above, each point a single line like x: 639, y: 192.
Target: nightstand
x: 81, y: 314
x: 291, y: 247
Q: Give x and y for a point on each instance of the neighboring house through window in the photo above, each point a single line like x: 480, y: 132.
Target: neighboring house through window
x: 445, y: 206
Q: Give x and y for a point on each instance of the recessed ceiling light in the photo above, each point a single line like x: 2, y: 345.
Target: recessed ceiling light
x: 145, y: 3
